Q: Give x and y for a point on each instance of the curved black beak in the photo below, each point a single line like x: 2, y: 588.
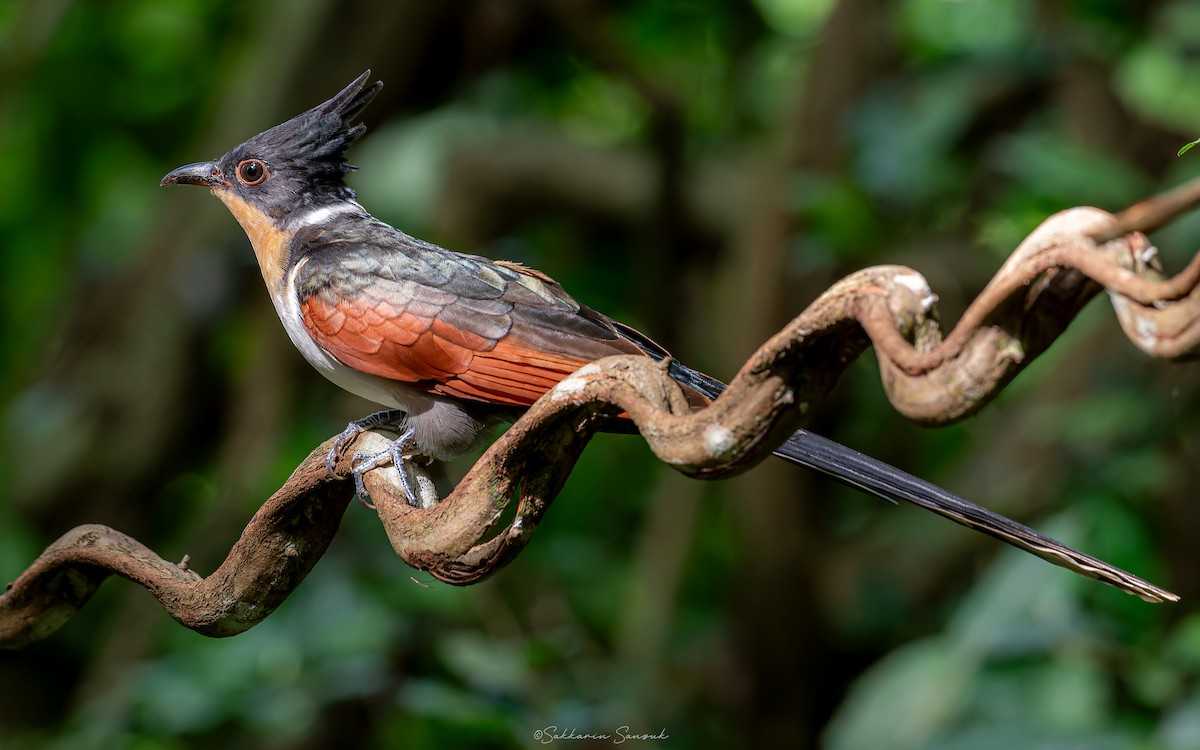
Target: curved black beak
x: 205, y: 173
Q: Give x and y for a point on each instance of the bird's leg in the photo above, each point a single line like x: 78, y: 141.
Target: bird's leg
x: 393, y: 454
x: 389, y: 419
x: 394, y: 419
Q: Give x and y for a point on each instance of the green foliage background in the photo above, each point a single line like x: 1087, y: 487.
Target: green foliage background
x: 701, y: 170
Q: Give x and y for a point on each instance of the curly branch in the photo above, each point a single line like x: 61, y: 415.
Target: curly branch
x: 928, y: 378
x: 280, y: 545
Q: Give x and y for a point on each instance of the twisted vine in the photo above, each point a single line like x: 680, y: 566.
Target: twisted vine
x: 928, y: 377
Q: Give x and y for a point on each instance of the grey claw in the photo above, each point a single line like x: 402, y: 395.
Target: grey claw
x: 360, y: 489
x: 339, y: 444
x: 393, y: 418
x: 394, y: 454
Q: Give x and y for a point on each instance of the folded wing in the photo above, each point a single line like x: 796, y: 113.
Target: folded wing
x: 450, y: 324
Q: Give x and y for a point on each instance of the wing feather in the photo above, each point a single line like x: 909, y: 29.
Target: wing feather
x: 451, y: 324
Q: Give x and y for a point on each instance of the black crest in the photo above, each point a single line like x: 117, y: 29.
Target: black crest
x: 314, y: 142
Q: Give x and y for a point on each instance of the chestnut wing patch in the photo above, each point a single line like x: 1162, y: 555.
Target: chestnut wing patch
x: 504, y: 342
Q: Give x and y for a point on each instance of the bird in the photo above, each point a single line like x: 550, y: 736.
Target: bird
x: 452, y: 343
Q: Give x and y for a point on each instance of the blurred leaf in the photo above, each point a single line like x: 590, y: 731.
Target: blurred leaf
x: 487, y: 665
x: 910, y: 695
x: 1062, y: 169
x: 1156, y: 78
x: 797, y: 18
x: 926, y: 689
x: 1180, y: 727
x: 978, y: 27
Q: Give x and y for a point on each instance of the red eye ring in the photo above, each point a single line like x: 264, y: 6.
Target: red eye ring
x: 250, y: 172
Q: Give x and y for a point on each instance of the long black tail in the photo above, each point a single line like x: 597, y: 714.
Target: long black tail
x: 877, y: 478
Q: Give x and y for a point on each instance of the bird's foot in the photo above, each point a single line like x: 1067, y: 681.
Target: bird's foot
x: 393, y: 419
x: 395, y: 455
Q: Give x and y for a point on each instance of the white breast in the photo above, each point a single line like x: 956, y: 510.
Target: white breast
x: 382, y: 391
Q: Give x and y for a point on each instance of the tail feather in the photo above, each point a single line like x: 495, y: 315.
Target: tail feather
x: 875, y: 477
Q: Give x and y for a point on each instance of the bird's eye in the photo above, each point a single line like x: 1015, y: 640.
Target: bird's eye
x: 251, y: 172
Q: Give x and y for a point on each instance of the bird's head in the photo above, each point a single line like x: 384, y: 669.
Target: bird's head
x: 291, y: 168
